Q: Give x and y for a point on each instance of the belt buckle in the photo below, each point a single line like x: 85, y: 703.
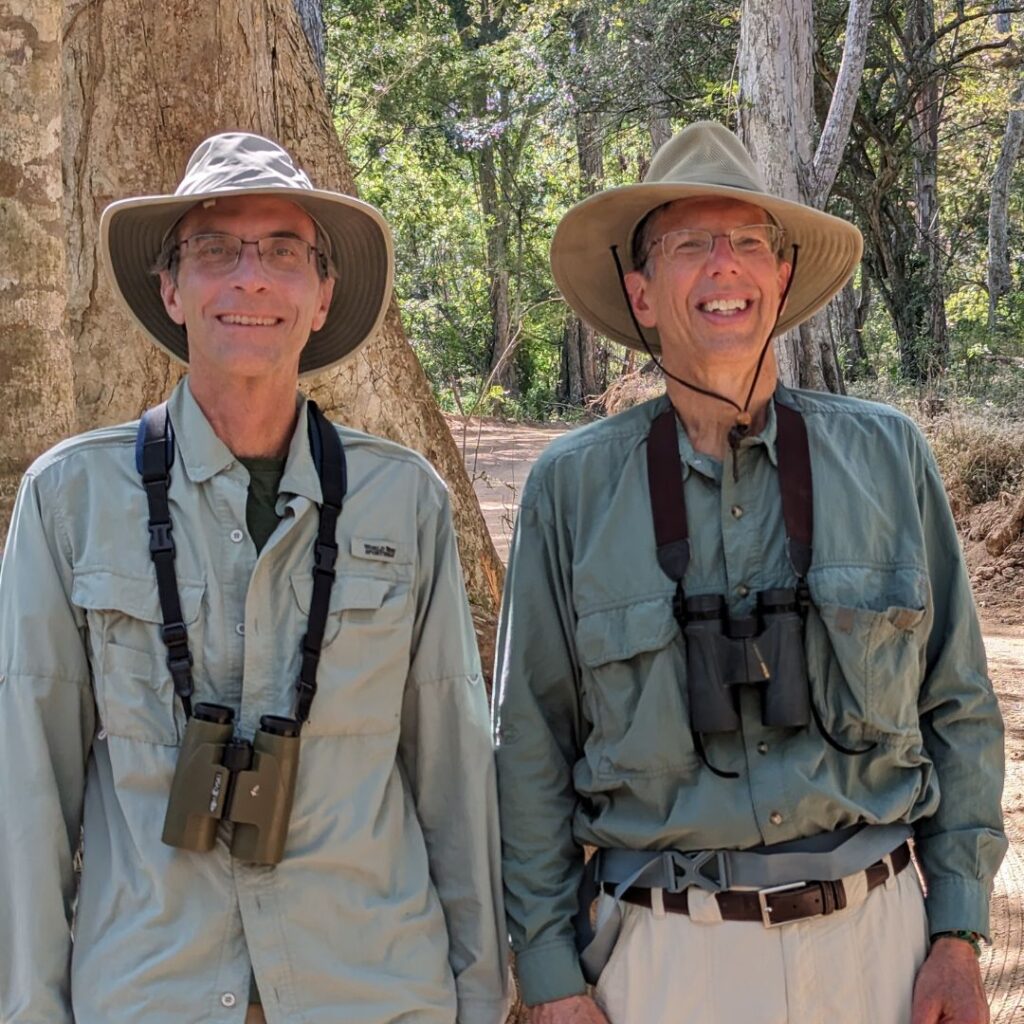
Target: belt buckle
x: 762, y: 899
x: 685, y: 869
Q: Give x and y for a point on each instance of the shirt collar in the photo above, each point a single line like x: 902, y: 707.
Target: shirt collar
x: 709, y: 466
x: 204, y: 455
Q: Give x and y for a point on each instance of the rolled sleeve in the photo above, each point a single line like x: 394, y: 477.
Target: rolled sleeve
x: 47, y: 720
x: 539, y: 738
x: 448, y: 756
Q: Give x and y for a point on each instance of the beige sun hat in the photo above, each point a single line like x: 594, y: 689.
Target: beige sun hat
x: 132, y: 232
x: 704, y: 159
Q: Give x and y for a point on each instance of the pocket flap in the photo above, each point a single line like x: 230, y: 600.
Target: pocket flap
x: 615, y: 634
x: 348, y: 592
x: 102, y: 590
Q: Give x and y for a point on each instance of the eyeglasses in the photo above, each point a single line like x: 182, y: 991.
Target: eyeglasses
x: 694, y: 245
x: 219, y: 253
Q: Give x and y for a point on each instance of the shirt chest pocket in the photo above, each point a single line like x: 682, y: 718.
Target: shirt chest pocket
x: 364, y: 660
x: 634, y: 689
x: 133, y: 685
x: 866, y: 638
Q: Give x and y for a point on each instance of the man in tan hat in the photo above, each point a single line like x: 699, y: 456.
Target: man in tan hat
x: 237, y: 660
x: 738, y: 653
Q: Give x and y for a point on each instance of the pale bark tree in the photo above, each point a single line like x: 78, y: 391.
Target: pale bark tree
x: 36, y: 393
x: 777, y: 122
x: 311, y: 17
x: 143, y: 85
x: 999, y: 278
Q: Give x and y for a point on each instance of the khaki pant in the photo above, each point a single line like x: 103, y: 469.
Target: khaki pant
x: 856, y: 966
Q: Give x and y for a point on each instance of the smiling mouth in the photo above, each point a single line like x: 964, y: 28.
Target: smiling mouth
x: 724, y: 307
x: 239, y: 320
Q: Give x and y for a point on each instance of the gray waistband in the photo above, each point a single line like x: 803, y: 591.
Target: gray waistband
x: 852, y: 850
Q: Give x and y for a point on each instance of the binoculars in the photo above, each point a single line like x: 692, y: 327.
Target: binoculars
x: 220, y: 777
x: 765, y: 649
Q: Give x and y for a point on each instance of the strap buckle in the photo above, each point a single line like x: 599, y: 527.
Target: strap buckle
x: 685, y: 868
x: 766, y: 909
x: 160, y: 539
x: 324, y: 556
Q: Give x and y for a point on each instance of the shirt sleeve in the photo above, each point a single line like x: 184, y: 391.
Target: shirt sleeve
x: 539, y: 734
x: 447, y: 754
x: 47, y: 719
x: 962, y: 844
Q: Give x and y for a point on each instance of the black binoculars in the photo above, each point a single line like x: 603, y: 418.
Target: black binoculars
x: 765, y: 649
x: 220, y: 777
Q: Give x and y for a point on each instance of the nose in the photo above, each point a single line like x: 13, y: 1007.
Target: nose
x: 249, y: 273
x: 721, y: 259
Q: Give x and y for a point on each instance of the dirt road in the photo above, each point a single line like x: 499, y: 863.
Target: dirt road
x: 498, y: 457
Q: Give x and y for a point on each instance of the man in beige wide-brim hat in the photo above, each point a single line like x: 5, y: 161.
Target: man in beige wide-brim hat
x: 738, y: 653
x: 236, y: 657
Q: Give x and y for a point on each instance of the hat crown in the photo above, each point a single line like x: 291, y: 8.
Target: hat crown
x: 705, y: 153
x: 237, y: 160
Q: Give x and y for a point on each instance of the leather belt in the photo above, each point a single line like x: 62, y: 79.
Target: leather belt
x: 779, y: 904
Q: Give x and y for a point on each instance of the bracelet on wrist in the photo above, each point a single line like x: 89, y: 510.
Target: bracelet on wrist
x: 965, y: 936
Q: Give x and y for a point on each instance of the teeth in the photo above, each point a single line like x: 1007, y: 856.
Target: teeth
x: 249, y: 321
x: 725, y: 305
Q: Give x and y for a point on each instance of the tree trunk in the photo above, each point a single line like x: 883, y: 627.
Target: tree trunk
x: 934, y: 344
x: 311, y: 17
x: 134, y: 113
x: 848, y: 314
x: 502, y: 364
x: 999, y: 279
x: 36, y: 388
x: 777, y: 124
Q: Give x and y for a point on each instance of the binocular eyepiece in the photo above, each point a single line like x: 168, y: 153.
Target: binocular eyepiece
x: 764, y: 649
x: 220, y: 777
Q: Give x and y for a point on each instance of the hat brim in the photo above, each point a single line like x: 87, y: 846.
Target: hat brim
x: 132, y: 232
x: 584, y: 269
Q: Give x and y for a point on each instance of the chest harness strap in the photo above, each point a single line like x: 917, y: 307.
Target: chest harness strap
x: 154, y: 456
x: 724, y: 651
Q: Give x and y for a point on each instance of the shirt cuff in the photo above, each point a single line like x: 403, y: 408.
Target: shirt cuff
x: 958, y: 904
x: 549, y: 972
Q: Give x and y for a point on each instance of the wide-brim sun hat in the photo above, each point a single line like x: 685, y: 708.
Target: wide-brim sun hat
x: 704, y: 160
x: 132, y: 232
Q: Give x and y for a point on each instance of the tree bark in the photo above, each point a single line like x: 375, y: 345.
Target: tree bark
x: 36, y: 389
x: 134, y: 112
x: 311, y: 17
x: 777, y: 124
x: 999, y: 278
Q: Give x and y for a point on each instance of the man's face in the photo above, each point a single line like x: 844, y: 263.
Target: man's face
x: 712, y: 313
x: 246, y: 322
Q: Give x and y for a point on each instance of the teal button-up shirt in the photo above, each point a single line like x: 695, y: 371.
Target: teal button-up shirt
x: 387, y: 904
x: 592, y: 718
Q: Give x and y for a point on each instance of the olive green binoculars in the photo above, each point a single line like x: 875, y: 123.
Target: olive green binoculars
x: 220, y: 777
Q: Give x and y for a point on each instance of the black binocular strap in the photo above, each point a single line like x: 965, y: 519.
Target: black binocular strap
x: 668, y: 506
x: 154, y: 456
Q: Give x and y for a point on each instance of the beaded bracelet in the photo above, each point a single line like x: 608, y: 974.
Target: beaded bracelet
x: 966, y: 936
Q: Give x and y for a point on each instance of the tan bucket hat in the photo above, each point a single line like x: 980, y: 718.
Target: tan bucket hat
x: 132, y: 232
x: 704, y: 159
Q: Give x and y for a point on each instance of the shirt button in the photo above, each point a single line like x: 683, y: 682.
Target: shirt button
x: 228, y: 999
x: 240, y: 629
x: 775, y: 818
x: 736, y: 511
x: 743, y: 590
x: 762, y: 748
x: 237, y: 536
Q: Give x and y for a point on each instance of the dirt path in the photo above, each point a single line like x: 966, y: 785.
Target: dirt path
x: 498, y: 457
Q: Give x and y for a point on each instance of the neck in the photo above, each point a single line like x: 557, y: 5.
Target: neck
x: 707, y: 420
x: 254, y: 417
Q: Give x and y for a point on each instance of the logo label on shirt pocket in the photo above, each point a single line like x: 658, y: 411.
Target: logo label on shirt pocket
x: 378, y: 550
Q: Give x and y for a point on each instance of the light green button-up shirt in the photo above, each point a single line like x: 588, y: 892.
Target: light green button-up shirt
x: 592, y: 714
x: 387, y: 905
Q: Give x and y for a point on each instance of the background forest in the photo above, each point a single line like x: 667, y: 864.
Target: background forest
x: 475, y: 125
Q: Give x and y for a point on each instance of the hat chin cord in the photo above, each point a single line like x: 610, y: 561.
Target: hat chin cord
x: 741, y: 427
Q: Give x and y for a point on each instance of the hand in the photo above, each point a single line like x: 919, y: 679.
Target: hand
x: 571, y: 1010
x: 948, y: 988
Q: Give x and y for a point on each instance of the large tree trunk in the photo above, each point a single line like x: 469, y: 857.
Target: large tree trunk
x: 999, y: 278
x: 777, y: 124
x: 36, y: 393
x: 134, y: 112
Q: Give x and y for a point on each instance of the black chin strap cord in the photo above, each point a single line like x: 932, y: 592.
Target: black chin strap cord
x: 742, y: 425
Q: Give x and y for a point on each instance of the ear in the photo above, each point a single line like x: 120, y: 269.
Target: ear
x: 172, y: 298
x: 320, y: 316
x: 784, y: 272
x: 638, y: 288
